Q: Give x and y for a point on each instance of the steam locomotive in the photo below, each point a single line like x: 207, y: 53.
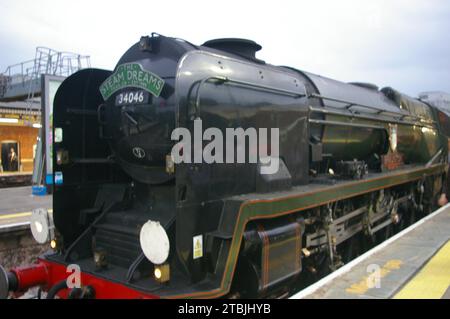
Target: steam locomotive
x: 355, y: 165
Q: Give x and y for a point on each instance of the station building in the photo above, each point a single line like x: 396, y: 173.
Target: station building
x: 26, y: 106
x: 19, y: 128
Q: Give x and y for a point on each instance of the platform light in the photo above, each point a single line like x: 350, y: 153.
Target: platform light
x: 37, y: 125
x: 9, y: 121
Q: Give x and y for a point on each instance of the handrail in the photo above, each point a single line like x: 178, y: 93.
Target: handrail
x: 433, y: 159
x: 338, y: 123
x: 345, y: 112
x: 349, y: 105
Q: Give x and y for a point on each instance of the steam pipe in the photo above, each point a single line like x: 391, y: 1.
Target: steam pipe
x: 28, y: 277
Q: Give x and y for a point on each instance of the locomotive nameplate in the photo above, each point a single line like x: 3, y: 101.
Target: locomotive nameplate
x: 131, y: 75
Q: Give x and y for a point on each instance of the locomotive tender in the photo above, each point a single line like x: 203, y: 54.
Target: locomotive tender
x: 355, y: 165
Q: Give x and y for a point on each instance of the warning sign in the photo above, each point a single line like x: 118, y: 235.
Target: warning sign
x: 198, y: 246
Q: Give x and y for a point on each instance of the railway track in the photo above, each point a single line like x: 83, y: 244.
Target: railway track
x: 17, y: 246
x: 15, y: 179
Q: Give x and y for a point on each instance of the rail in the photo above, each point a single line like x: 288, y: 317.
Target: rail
x: 46, y: 61
x: 348, y: 105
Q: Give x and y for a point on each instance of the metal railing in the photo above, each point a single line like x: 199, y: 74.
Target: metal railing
x: 46, y: 61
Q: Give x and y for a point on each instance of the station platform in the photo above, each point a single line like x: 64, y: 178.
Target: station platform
x: 413, y: 264
x: 17, y: 203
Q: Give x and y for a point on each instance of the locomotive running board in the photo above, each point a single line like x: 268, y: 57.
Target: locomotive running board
x: 240, y: 210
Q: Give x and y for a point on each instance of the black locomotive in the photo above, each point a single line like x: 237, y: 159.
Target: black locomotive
x: 356, y: 164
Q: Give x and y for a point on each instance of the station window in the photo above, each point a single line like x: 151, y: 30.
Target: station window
x: 10, y: 156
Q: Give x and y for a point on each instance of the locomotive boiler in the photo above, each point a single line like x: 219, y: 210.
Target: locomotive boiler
x: 355, y: 165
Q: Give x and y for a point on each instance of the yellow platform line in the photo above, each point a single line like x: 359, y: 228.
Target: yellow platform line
x: 432, y: 281
x: 10, y: 216
x: 18, y: 215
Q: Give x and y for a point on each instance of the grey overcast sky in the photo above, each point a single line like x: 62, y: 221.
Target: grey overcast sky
x: 399, y: 43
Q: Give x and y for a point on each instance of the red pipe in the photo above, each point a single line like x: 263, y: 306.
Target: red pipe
x: 46, y: 273
x: 31, y: 276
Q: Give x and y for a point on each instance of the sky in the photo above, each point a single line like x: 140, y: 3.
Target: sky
x: 399, y: 43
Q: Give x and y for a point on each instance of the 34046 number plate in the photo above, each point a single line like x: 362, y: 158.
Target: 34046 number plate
x: 132, y: 97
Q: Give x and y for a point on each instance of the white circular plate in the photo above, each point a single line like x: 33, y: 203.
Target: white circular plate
x: 39, y: 225
x: 154, y: 242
